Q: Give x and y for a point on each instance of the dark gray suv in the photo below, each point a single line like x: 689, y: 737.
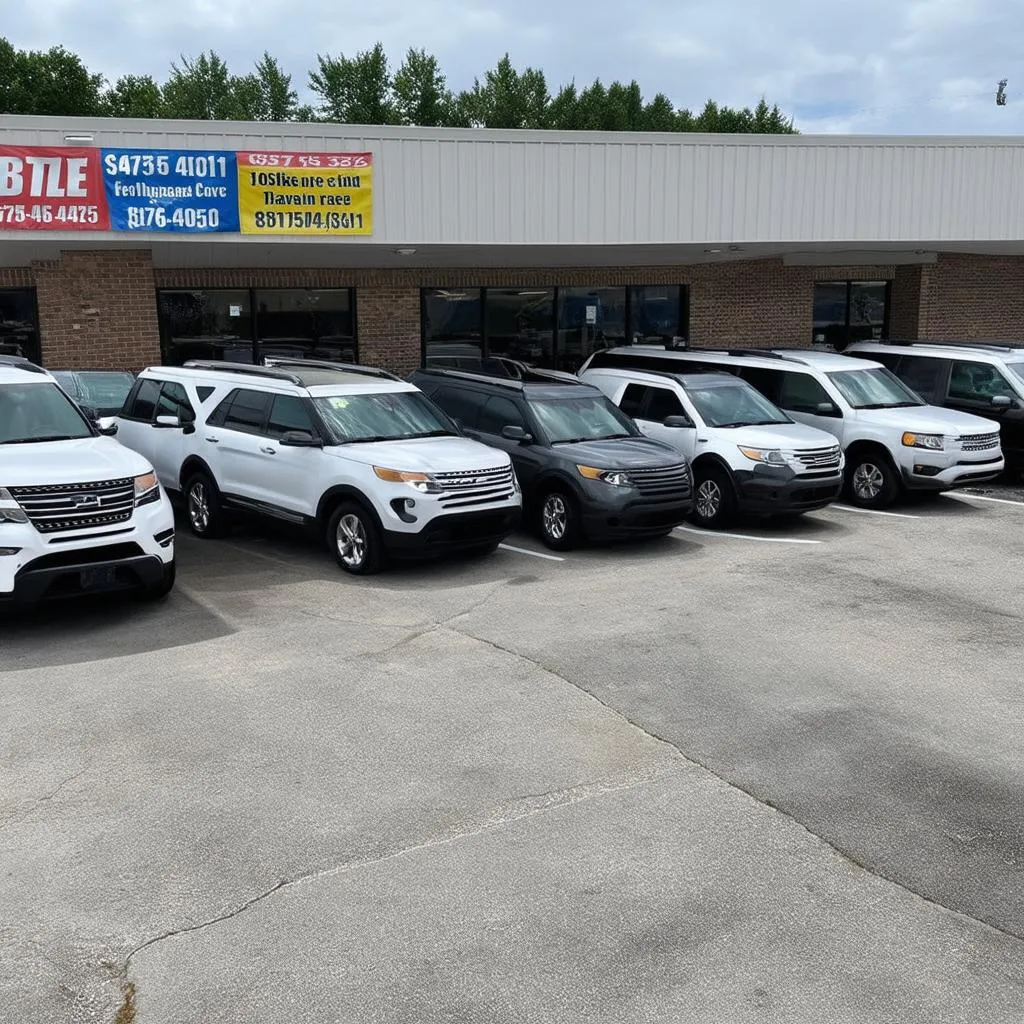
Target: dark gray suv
x: 585, y: 469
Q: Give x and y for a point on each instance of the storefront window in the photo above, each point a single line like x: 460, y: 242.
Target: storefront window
x: 215, y: 324
x: 658, y: 314
x: 846, y: 311
x: 19, y: 324
x: 589, y: 319
x: 520, y: 324
x: 304, y: 323
x: 453, y: 327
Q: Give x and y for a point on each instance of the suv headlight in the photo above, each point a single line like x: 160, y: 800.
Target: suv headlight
x: 771, y: 456
x: 422, y: 482
x: 615, y: 477
x: 932, y: 441
x: 147, y: 489
x: 10, y: 510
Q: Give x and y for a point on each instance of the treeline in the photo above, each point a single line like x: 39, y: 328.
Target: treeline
x: 362, y: 89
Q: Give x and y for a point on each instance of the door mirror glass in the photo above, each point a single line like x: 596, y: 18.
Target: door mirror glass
x: 826, y: 409
x: 514, y: 433
x: 1001, y: 401
x: 676, y: 421
x: 166, y: 422
x: 107, y: 426
x: 300, y: 439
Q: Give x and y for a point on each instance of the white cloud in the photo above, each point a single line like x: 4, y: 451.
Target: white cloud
x: 926, y: 66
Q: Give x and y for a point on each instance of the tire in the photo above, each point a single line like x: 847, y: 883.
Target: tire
x: 871, y: 481
x: 354, y: 539
x: 160, y: 590
x: 558, y: 521
x: 714, y: 501
x: 202, y: 504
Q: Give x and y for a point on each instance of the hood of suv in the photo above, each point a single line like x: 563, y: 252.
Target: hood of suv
x: 424, y: 454
x: 620, y: 453
x: 930, y: 419
x: 68, y: 462
x: 778, y: 435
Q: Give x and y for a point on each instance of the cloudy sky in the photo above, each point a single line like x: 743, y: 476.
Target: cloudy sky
x: 864, y: 66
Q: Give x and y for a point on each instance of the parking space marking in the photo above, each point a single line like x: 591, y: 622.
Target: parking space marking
x: 527, y: 551
x: 982, y: 497
x: 872, y: 512
x: 747, y: 536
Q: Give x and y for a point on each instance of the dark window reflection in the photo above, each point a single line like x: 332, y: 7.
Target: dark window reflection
x: 213, y: 324
x: 453, y: 328
x: 589, y: 319
x: 520, y: 324
x: 19, y: 326
x: 867, y: 310
x: 846, y: 311
x: 305, y: 323
x: 657, y: 314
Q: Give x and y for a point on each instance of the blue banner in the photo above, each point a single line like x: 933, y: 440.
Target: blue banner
x: 171, y: 190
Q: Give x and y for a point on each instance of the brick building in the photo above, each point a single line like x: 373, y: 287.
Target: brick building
x: 536, y: 245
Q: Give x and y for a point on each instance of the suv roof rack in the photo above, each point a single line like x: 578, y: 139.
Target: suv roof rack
x: 995, y: 346
x: 21, y: 363
x: 325, y: 364
x: 673, y: 375
x: 245, y: 369
x: 533, y: 376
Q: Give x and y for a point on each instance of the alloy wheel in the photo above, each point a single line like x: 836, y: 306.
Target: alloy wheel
x: 709, y: 499
x: 556, y: 516
x: 351, y: 541
x: 199, y: 507
x: 868, y: 481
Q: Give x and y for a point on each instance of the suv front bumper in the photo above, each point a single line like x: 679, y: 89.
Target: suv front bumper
x: 456, y: 531
x: 609, y: 512
x: 925, y: 473
x: 777, y: 489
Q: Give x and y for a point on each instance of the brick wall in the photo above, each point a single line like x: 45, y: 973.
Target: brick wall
x: 965, y: 296
x: 97, y: 309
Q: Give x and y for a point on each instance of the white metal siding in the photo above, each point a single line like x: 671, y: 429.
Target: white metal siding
x: 534, y: 188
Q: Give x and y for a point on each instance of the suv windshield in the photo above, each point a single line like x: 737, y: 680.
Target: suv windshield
x: 733, y: 405
x: 392, y: 416
x: 1017, y: 369
x: 873, y: 389
x: 106, y: 392
x: 582, y: 418
x: 38, y: 412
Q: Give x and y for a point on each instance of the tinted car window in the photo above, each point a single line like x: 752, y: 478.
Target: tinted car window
x: 463, y: 406
x: 662, y: 403
x: 801, y: 392
x: 977, y: 382
x: 143, y: 405
x: 247, y: 411
x: 288, y: 413
x: 497, y: 413
x: 922, y: 375
x: 768, y: 382
x: 632, y: 399
x: 172, y: 400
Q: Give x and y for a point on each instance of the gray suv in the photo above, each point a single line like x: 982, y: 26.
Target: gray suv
x: 585, y: 469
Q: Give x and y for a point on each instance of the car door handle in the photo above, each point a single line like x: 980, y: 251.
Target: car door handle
x: 268, y: 450
x: 213, y: 440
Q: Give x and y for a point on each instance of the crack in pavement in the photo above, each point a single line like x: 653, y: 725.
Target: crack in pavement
x: 842, y: 854
x: 38, y: 801
x: 507, y: 813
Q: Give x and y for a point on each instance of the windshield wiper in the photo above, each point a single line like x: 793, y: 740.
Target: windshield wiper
x: 890, y: 405
x: 369, y: 440
x: 613, y: 437
x: 41, y: 440
x: 738, y: 423
x: 573, y: 440
x: 433, y: 433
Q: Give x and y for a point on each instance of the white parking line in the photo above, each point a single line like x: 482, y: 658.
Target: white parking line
x: 527, y: 551
x: 746, y: 536
x: 982, y: 497
x: 872, y: 512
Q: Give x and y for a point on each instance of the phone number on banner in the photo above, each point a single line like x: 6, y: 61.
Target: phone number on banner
x: 307, y: 220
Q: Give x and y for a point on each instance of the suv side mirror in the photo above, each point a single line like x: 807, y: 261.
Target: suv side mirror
x: 166, y: 422
x: 676, y: 421
x: 107, y: 426
x: 1002, y: 401
x: 299, y: 439
x: 514, y: 433
x: 826, y: 409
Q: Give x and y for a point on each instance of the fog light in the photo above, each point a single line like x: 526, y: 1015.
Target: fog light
x: 9, y: 551
x: 410, y: 503
x: 926, y: 470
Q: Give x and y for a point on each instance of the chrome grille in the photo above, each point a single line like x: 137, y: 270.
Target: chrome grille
x: 979, y: 442
x: 57, y: 508
x: 475, y: 487
x: 817, y: 458
x: 662, y: 482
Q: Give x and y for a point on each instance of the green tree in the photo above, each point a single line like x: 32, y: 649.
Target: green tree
x: 507, y: 98
x: 53, y: 82
x: 660, y: 116
x: 276, y: 99
x: 203, y: 89
x: 564, y: 109
x: 592, y: 108
x: 354, y: 90
x: 421, y: 94
x: 134, y: 96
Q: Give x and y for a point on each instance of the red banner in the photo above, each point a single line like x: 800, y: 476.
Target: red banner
x: 51, y: 189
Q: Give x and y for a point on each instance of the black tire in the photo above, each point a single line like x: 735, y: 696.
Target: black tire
x: 714, y: 500
x: 354, y: 539
x: 871, y: 480
x: 558, y: 520
x: 203, y: 506
x: 160, y: 590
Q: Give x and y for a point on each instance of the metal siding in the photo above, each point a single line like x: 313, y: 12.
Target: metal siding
x: 532, y: 188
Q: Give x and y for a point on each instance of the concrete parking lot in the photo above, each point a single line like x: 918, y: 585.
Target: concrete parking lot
x: 772, y: 775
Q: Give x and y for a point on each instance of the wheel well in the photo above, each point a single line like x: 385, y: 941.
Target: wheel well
x: 713, y: 460
x: 861, y: 448
x: 333, y: 497
x: 192, y: 465
x: 548, y: 481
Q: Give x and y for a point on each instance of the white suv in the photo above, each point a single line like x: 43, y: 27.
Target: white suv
x: 361, y: 457
x: 892, y: 440
x: 746, y: 454
x: 78, y: 513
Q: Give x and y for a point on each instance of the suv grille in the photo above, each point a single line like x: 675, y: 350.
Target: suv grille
x: 476, y: 487
x: 979, y: 442
x: 56, y: 508
x: 663, y: 482
x: 818, y: 458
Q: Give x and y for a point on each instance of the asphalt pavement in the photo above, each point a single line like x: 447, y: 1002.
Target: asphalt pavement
x: 770, y: 775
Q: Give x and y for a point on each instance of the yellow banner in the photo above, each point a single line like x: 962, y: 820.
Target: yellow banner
x: 305, y: 193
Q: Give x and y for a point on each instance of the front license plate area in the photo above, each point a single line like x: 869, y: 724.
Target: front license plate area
x: 98, y: 578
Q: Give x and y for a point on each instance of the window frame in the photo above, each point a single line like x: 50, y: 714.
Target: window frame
x: 219, y: 416
x: 849, y: 284
x: 32, y: 294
